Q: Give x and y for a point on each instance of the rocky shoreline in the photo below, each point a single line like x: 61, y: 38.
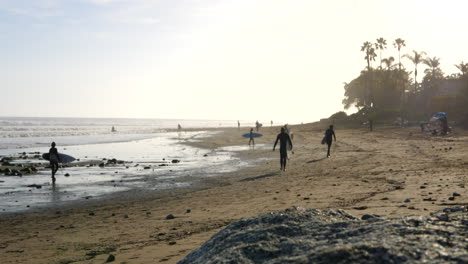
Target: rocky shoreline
x: 298, y: 235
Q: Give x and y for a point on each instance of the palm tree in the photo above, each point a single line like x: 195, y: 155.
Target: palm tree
x: 389, y: 62
x: 416, y: 59
x: 370, y: 53
x: 381, y: 45
x: 434, y: 64
x: 370, y: 56
x: 463, y: 67
x: 399, y: 43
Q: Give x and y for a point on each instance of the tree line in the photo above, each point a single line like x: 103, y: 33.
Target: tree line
x: 386, y: 90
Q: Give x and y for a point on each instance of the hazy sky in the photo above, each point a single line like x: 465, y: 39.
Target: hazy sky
x: 240, y: 59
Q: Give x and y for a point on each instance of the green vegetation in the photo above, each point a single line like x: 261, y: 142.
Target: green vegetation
x: 387, y: 92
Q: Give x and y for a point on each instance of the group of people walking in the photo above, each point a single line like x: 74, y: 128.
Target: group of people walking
x: 286, y: 143
x: 284, y: 138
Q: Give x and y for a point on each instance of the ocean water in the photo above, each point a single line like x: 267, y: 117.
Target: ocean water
x: 23, y: 132
x: 153, y: 157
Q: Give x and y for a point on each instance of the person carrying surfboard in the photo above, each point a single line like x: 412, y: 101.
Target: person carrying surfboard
x: 284, y: 140
x: 329, y: 133
x: 251, y: 140
x: 54, y: 160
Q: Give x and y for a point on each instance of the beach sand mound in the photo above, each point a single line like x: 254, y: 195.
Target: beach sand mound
x: 299, y: 235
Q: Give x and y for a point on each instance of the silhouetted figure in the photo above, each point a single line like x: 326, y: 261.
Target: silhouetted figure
x: 54, y: 160
x: 238, y: 125
x: 179, y: 127
x: 271, y: 123
x: 290, y: 134
x: 284, y: 140
x: 113, y: 129
x: 329, y: 133
x: 257, y: 125
x: 251, y: 140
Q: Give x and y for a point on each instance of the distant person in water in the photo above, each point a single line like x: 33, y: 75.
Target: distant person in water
x: 179, y: 127
x: 251, y: 140
x: 238, y: 124
x: 284, y: 140
x: 54, y: 160
x: 329, y: 135
x: 113, y: 129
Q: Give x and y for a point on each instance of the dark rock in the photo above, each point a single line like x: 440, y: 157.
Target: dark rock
x: 206, y: 155
x: 169, y: 217
x: 175, y: 161
x: 67, y: 175
x: 407, y: 201
x: 147, y: 167
x: 360, y: 207
x: 332, y: 236
x: 455, y: 194
x: 188, y: 211
x: 37, y: 186
x: 369, y: 216
x: 172, y: 243
x: 91, y: 214
x: 125, y: 216
x: 111, y: 258
x: 162, y: 165
x: 451, y: 198
x: 102, y: 165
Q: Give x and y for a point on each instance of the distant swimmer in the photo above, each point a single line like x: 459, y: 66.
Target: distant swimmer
x: 179, y: 127
x: 284, y: 140
x: 54, y: 159
x: 251, y: 140
x: 113, y: 129
x: 329, y: 133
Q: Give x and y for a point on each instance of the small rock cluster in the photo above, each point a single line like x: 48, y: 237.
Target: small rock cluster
x: 298, y: 235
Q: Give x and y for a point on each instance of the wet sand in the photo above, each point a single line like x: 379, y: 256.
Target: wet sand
x: 390, y: 172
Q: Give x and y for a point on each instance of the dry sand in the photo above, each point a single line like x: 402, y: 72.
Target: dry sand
x: 390, y: 172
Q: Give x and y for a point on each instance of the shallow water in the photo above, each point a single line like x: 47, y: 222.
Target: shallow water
x: 147, y: 166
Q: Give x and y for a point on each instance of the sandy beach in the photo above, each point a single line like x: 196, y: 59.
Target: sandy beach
x: 390, y: 172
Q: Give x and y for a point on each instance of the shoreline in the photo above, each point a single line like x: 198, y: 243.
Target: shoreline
x: 165, y: 161
x: 385, y: 172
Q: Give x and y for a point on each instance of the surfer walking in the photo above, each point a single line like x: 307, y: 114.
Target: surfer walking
x: 329, y: 133
x: 54, y: 160
x: 284, y: 140
x: 251, y: 137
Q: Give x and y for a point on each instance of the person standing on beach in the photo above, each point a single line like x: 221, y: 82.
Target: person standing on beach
x: 54, y: 160
x: 329, y: 133
x: 251, y: 140
x: 284, y: 140
x: 238, y: 125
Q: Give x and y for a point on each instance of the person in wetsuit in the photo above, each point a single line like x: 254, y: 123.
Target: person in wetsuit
x: 251, y: 140
x: 54, y: 160
x: 284, y: 140
x: 329, y: 133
